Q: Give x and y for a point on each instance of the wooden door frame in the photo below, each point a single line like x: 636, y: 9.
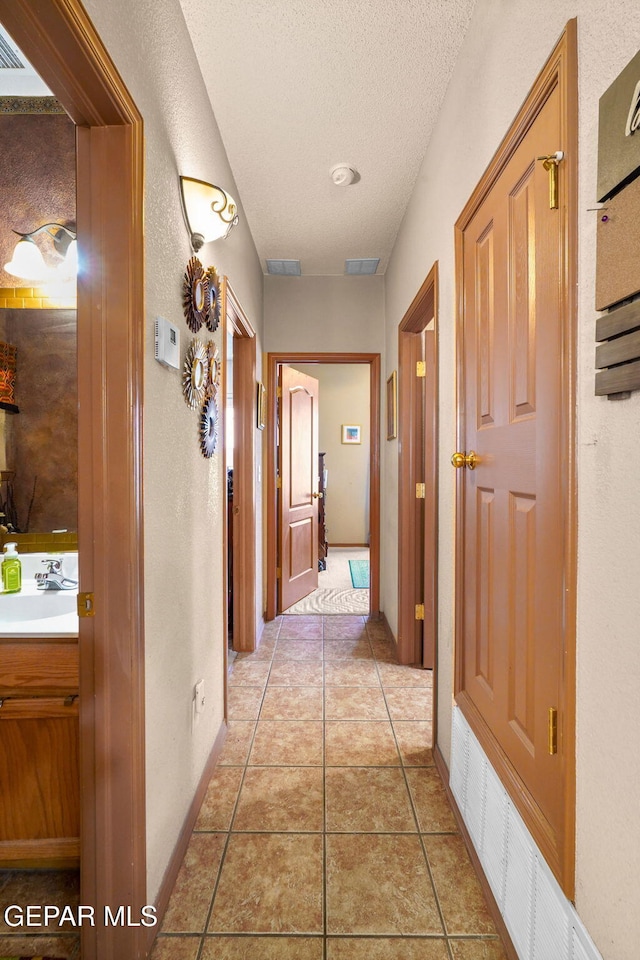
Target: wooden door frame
x: 273, y: 361
x: 561, y: 72
x: 63, y: 46
x: 244, y: 471
x: 413, y: 588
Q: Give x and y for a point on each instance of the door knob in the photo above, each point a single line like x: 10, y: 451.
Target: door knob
x: 469, y: 460
x: 317, y: 496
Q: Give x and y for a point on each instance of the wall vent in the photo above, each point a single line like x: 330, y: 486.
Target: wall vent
x: 361, y: 268
x: 542, y: 923
x: 284, y: 268
x: 9, y: 59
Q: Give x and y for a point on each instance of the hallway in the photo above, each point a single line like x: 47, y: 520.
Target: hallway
x: 325, y: 833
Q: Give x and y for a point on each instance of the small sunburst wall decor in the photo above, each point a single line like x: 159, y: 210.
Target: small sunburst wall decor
x: 195, y: 373
x: 209, y: 427
x: 215, y: 299
x: 195, y: 295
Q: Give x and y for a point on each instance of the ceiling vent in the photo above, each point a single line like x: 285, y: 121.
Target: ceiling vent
x: 284, y: 268
x: 361, y: 268
x: 9, y: 60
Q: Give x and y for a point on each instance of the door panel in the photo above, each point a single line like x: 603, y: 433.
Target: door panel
x: 298, y: 467
x: 513, y: 510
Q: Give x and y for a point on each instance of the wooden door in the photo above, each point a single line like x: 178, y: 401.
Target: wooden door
x: 513, y: 504
x: 298, y: 469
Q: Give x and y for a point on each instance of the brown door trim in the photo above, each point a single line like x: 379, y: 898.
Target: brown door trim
x: 273, y: 359
x: 561, y: 72
x: 61, y: 43
x: 244, y: 472
x: 418, y: 463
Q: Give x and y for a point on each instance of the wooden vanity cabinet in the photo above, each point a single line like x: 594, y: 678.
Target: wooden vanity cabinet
x: 39, y: 763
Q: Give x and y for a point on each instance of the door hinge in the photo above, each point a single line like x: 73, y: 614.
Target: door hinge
x: 553, y: 730
x: 420, y: 491
x: 86, y: 606
x: 421, y: 368
x: 278, y: 483
x: 419, y: 611
x: 278, y: 392
x: 550, y: 164
x: 278, y: 573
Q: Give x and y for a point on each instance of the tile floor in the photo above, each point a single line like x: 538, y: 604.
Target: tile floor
x: 326, y: 833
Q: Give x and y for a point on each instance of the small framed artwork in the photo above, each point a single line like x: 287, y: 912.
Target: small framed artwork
x: 262, y: 406
x: 351, y: 433
x: 392, y: 406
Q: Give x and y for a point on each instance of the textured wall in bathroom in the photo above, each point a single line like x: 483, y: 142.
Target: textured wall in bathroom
x: 38, y: 177
x: 42, y: 440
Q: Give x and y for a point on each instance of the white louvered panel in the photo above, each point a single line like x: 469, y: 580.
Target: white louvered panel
x: 459, y: 756
x: 518, y: 900
x: 475, y: 793
x: 550, y: 935
x: 494, y: 846
x: 542, y: 923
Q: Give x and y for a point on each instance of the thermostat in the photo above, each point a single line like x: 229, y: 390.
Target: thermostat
x: 167, y: 343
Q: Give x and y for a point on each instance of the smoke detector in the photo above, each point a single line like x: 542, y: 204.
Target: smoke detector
x: 343, y: 174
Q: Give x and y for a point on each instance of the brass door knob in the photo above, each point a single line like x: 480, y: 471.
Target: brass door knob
x: 469, y: 460
x: 317, y: 496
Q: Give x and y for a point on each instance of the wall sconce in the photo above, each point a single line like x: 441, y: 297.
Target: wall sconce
x: 27, y: 261
x: 209, y: 211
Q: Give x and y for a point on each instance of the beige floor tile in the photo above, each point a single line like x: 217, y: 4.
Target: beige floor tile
x: 393, y: 675
x: 414, y: 703
x: 294, y: 629
x: 271, y: 629
x: 220, y: 799
x: 193, y: 890
x: 379, y: 885
x: 355, y: 743
x: 175, y: 948
x: 414, y: 738
x: 298, y: 650
x: 57, y: 888
x: 383, y: 651
x: 249, y: 673
x: 287, y: 743
x: 300, y: 673
x: 351, y: 673
x: 347, y: 650
x: 270, y: 883
x: 377, y: 630
x: 62, y: 946
x: 340, y: 629
x: 262, y: 948
x: 430, y: 799
x: 236, y: 746
x: 354, y: 703
x: 458, y: 889
x: 477, y: 950
x: 367, y: 800
x: 264, y: 651
x: 244, y: 702
x: 292, y: 703
x: 281, y: 799
x: 344, y: 618
x: 386, y: 948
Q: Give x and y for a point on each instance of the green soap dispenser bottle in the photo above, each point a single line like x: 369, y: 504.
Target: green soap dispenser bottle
x: 11, y: 569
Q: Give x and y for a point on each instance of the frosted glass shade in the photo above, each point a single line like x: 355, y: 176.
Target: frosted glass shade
x: 210, y: 212
x: 27, y: 262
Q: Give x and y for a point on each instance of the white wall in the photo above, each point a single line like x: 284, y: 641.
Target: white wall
x: 328, y: 314
x: 506, y: 46
x: 344, y: 398
x: 184, y: 494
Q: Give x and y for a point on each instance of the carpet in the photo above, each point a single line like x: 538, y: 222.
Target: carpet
x: 359, y: 574
x: 333, y: 602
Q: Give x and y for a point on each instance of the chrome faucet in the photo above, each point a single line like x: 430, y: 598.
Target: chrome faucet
x: 54, y: 578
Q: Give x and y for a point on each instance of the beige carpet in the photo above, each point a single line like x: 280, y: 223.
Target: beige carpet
x: 335, y: 594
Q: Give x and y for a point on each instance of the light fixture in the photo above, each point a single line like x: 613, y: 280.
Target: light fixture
x: 209, y: 211
x: 27, y: 261
x: 344, y: 174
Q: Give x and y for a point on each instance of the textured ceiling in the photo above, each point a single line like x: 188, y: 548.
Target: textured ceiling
x: 300, y: 85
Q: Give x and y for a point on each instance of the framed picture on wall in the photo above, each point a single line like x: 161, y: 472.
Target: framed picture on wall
x: 392, y: 406
x: 351, y: 433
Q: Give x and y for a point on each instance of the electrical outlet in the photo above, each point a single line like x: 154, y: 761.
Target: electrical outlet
x: 198, y: 696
